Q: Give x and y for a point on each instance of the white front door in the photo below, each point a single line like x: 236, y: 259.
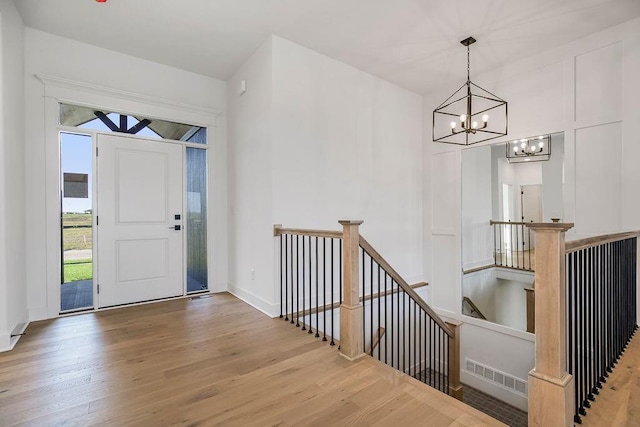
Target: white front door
x: 531, y: 206
x: 139, y: 203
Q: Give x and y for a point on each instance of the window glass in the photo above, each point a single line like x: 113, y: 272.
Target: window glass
x: 93, y: 119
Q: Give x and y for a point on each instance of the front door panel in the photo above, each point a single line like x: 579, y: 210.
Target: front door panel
x: 139, y: 195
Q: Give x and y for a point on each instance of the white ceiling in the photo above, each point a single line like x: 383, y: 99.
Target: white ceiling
x: 413, y: 43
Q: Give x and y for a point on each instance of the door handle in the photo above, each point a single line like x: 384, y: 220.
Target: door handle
x: 176, y: 227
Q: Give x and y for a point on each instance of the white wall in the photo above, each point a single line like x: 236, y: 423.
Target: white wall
x: 251, y: 181
x: 477, y: 236
x: 553, y: 180
x: 586, y: 89
x: 13, y: 296
x: 97, y: 77
x: 343, y: 145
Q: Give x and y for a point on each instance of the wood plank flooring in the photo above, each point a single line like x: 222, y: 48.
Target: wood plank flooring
x: 618, y: 403
x: 208, y: 361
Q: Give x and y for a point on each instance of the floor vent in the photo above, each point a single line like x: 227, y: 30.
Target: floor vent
x: 490, y: 374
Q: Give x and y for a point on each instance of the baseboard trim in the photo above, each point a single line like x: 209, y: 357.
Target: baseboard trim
x: 9, y: 340
x: 255, y: 301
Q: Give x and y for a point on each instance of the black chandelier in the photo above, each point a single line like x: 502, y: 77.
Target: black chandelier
x: 464, y: 117
x: 534, y: 149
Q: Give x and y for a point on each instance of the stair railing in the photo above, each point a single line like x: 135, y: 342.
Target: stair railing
x: 416, y: 341
x: 311, y: 279
x: 601, y: 310
x: 325, y: 289
x: 585, y: 314
x: 513, y: 245
x: 474, y: 311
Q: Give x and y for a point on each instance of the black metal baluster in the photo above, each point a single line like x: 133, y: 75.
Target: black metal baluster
x: 379, y: 313
x: 431, y: 346
x: 364, y: 305
x: 420, y: 343
x: 520, y: 231
x: 297, y: 282
x: 317, y: 294
x: 324, y: 289
x: 415, y: 343
x: 634, y: 281
x: 517, y: 246
x: 616, y: 278
x: 403, y: 323
x: 610, y: 304
x: 286, y: 277
x: 495, y: 244
x: 310, y: 293
x: 304, y: 280
x: 594, y: 322
x: 437, y: 360
x: 281, y: 278
x: 393, y: 349
x: 634, y: 289
x: 408, y: 323
x: 445, y: 371
x: 590, y: 347
x: 500, y: 239
x: 398, y: 323
x: 603, y: 316
x: 386, y: 328
x: 340, y: 273
x: 570, y: 326
x: 584, y: 349
x: 598, y: 315
x: 332, y: 313
x: 529, y: 251
x: 371, y: 300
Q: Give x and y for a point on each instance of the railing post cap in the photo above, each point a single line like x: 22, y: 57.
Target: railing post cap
x: 551, y: 226
x: 350, y: 221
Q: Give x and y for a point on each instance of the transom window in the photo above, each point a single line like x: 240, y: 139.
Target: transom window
x: 91, y: 118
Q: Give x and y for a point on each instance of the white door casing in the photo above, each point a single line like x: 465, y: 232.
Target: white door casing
x: 139, y: 194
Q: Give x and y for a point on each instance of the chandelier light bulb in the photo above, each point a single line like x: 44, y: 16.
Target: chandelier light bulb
x: 524, y: 144
x: 541, y: 144
x: 485, y: 118
x: 453, y: 125
x: 463, y: 117
x: 474, y: 125
x: 515, y: 149
x: 540, y: 137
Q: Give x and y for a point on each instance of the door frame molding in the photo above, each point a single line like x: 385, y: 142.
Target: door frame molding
x: 58, y: 91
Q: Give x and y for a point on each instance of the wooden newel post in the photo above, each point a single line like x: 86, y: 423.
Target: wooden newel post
x: 455, y: 386
x: 550, y: 385
x: 351, y: 336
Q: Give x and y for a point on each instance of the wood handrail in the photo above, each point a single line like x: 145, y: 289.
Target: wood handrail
x: 474, y: 308
x: 404, y: 285
x: 336, y: 304
x: 492, y: 222
x: 576, y: 245
x: 376, y: 340
x: 278, y: 230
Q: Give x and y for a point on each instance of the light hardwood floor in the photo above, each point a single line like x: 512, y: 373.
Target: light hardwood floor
x: 618, y: 403
x: 209, y: 361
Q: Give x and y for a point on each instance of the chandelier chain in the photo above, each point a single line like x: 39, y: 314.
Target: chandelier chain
x: 468, y: 64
